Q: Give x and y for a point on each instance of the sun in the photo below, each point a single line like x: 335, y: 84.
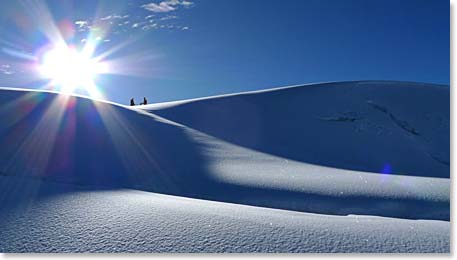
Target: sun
x: 70, y: 70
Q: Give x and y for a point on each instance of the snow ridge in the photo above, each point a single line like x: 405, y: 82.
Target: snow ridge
x: 341, y: 149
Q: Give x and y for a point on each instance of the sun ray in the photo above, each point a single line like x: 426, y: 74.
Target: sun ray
x: 70, y: 69
x: 40, y: 142
x: 38, y: 11
x: 71, y: 66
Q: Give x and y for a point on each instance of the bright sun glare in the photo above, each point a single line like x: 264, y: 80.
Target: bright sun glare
x: 71, y: 70
x: 72, y: 63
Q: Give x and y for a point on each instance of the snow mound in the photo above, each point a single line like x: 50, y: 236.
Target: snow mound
x: 209, y: 153
x: 141, y: 222
x: 81, y: 141
x: 382, y: 127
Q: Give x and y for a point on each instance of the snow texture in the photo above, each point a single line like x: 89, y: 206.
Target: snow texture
x: 354, y: 166
x: 134, y: 221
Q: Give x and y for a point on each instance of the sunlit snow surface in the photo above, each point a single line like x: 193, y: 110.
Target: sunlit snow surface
x: 134, y: 221
x: 337, y: 167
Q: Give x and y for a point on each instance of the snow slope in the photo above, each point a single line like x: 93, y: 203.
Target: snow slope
x: 394, y: 127
x: 59, y: 150
x: 134, y: 221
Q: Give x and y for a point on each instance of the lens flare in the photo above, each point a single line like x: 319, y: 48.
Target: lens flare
x: 70, y: 69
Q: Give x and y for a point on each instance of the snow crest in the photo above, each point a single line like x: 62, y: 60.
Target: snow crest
x: 351, y: 148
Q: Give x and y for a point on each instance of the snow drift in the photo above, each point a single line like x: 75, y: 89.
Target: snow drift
x: 383, y: 127
x: 364, y: 148
x: 133, y: 221
x: 76, y: 140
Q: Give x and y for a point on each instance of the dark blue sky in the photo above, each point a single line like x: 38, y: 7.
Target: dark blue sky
x: 185, y: 49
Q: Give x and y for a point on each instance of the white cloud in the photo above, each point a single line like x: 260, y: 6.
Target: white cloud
x: 159, y: 8
x: 148, y: 27
x: 169, y: 17
x: 187, y: 3
x: 81, y: 23
x: 114, y: 16
x: 6, y: 69
x: 166, y: 6
x: 123, y: 23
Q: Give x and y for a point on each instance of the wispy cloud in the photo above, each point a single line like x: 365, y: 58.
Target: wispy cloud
x: 122, y: 23
x: 169, y: 17
x: 114, y: 25
x: 6, y: 69
x: 81, y: 23
x: 167, y: 6
x: 114, y: 16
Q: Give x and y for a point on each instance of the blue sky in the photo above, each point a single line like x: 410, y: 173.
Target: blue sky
x: 176, y: 49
